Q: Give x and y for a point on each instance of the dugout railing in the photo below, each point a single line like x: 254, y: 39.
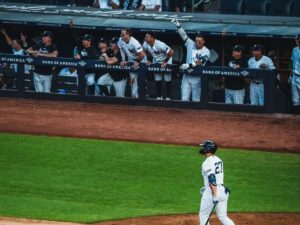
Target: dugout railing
x: 207, y: 73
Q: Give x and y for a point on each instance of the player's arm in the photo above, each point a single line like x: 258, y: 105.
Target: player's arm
x: 149, y: 57
x: 7, y: 37
x: 170, y: 53
x: 212, y: 184
x: 181, y: 31
x: 51, y: 54
x: 111, y: 61
x: 123, y: 56
x: 271, y: 64
x: 212, y: 181
x: 140, y: 54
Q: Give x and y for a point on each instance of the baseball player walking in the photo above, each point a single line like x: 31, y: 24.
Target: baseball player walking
x: 160, y: 53
x: 214, y: 193
x: 132, y: 49
x: 197, y: 55
x: 295, y: 82
x: 258, y: 61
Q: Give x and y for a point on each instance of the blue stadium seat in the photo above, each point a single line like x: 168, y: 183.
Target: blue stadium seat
x: 255, y: 7
x: 231, y: 6
x: 279, y: 7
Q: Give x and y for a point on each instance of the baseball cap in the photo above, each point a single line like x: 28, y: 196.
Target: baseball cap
x: 238, y: 48
x: 257, y: 47
x: 115, y: 40
x: 297, y: 37
x: 103, y: 40
x: 47, y: 33
x: 88, y: 37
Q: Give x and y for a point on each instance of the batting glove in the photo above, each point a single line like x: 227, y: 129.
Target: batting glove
x: 184, y: 66
x: 176, y: 23
x: 215, y: 200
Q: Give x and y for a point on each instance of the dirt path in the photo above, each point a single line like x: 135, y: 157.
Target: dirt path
x: 239, y: 218
x: 238, y: 130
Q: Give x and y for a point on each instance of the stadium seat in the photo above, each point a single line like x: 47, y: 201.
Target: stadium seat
x: 231, y: 6
x: 279, y: 7
x: 295, y: 8
x: 255, y: 7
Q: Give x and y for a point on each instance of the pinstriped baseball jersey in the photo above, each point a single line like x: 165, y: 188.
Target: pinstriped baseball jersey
x: 296, y: 60
x: 255, y: 64
x: 159, y: 51
x: 213, y: 165
x: 131, y: 49
x: 194, y: 54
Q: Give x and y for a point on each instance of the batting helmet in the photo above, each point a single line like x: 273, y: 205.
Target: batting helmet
x: 208, y: 147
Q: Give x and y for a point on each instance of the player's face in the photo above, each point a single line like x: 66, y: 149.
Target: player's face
x: 85, y: 43
x: 102, y: 47
x: 46, y: 40
x: 125, y: 37
x: 199, y: 42
x: 113, y: 46
x: 297, y: 41
x: 149, y: 39
x: 236, y: 54
x: 256, y: 53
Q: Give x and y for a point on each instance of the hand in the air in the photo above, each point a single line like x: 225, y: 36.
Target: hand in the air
x: 176, y: 22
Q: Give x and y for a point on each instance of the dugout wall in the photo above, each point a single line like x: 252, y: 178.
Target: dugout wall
x: 222, y: 32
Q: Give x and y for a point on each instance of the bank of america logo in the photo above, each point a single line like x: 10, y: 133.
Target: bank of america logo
x: 245, y: 73
x: 82, y: 63
x: 29, y: 60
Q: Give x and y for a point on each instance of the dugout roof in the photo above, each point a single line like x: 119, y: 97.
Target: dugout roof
x: 92, y: 19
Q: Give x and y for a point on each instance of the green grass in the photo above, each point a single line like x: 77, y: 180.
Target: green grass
x: 89, y: 180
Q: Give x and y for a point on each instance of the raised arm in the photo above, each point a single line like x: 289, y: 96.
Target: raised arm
x: 181, y: 31
x: 7, y: 38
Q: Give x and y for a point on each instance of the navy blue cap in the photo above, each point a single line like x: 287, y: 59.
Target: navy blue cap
x: 88, y: 37
x: 297, y: 37
x: 47, y: 33
x: 103, y: 40
x: 238, y: 48
x: 257, y: 47
x: 115, y: 40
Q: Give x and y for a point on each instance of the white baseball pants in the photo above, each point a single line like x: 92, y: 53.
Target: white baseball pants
x: 42, y: 83
x: 206, y: 206
x: 119, y: 86
x: 257, y: 94
x: 234, y: 96
x: 296, y: 89
x: 191, y: 85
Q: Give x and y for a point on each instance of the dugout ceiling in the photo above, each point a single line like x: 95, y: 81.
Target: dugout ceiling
x: 111, y: 20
